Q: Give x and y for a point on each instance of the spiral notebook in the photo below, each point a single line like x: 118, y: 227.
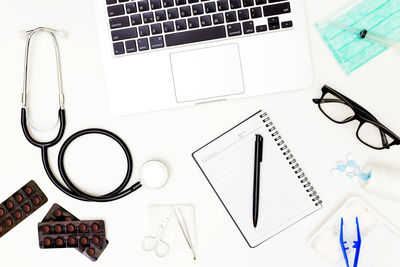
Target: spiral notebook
x: 286, y: 195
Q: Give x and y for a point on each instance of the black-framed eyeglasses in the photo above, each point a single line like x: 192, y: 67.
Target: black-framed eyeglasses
x: 341, y: 109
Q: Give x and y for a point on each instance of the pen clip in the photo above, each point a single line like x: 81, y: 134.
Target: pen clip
x: 260, y: 141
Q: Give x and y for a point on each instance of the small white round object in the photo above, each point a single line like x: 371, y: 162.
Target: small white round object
x: 153, y: 174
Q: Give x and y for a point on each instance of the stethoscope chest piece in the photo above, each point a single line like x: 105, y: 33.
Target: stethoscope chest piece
x: 154, y: 174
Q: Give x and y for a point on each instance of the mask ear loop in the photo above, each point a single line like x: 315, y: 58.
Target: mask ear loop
x: 29, y: 34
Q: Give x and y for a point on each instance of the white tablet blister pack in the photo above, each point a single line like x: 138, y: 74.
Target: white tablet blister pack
x: 380, y: 240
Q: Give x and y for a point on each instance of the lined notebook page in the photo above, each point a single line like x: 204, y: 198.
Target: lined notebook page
x: 228, y: 164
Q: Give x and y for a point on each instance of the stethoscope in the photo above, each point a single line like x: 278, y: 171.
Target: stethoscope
x: 149, y: 170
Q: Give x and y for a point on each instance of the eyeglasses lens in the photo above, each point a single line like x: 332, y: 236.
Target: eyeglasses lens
x: 336, y: 109
x: 370, y: 134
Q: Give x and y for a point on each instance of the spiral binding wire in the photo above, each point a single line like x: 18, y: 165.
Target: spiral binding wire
x: 290, y: 158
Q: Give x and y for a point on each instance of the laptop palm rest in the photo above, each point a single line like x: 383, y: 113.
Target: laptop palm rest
x: 207, y: 73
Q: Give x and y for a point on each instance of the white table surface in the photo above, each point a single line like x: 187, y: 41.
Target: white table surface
x: 172, y: 136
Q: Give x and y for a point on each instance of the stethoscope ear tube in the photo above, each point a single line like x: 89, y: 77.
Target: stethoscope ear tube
x: 70, y: 189
x: 24, y: 124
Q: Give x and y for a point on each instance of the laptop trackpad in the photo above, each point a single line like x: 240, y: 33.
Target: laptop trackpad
x: 207, y: 73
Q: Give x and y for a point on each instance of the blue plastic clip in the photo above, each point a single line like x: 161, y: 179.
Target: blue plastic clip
x: 356, y: 244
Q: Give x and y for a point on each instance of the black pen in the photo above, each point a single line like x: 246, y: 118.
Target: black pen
x: 258, y: 153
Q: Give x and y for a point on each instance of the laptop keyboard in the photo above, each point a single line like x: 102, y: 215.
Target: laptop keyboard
x: 150, y: 25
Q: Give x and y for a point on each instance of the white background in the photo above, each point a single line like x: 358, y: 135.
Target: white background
x: 98, y: 165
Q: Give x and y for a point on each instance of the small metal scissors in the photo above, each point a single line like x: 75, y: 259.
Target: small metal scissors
x: 156, y: 243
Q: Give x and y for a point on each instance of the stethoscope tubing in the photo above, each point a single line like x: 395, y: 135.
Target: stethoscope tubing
x: 70, y: 189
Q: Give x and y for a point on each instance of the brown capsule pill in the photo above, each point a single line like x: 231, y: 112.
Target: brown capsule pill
x: 46, y: 229
x: 70, y: 228
x: 27, y: 208
x: 8, y: 222
x: 36, y: 200
x: 71, y: 240
x: 28, y: 190
x: 84, y: 240
x: 59, y: 241
x: 58, y: 228
x: 10, y: 204
x: 2, y: 212
x: 57, y: 213
x: 83, y: 227
x: 95, y: 227
x: 68, y: 219
x: 95, y: 240
x: 18, y: 214
x: 90, y: 252
x: 19, y: 198
x: 47, y: 241
x: 1, y: 229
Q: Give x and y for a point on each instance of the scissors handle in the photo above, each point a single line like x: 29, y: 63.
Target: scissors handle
x: 160, y: 247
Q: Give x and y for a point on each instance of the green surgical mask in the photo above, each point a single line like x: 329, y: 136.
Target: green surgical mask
x: 341, y: 31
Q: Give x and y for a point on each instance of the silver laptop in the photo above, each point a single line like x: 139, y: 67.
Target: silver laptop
x: 160, y: 54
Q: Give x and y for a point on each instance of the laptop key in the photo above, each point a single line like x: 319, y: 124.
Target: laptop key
x: 123, y: 34
x: 122, y: 1
x: 205, y: 20
x: 180, y: 2
x: 185, y: 11
x: 223, y: 5
x: 160, y: 15
x: 276, y: 9
x: 261, y: 2
x: 119, y: 48
x: 131, y: 8
x: 255, y: 12
x: 274, y: 1
x: 143, y: 44
x: 192, y: 1
x: 248, y: 27
x: 110, y: 2
x: 155, y: 4
x: 194, y: 36
x: 230, y: 16
x: 180, y: 25
x: 117, y: 10
x: 168, y: 3
x: 193, y: 22
x: 144, y: 30
x: 247, y: 3
x: 148, y: 17
x: 243, y: 14
x: 234, y: 29
x: 287, y: 24
x: 119, y: 22
x: 210, y: 7
x: 273, y: 23
x: 168, y: 26
x: 261, y: 28
x: 235, y: 4
x: 156, y: 28
x: 156, y: 42
x: 136, y: 19
x: 198, y: 9
x: 218, y: 18
x: 130, y: 46
x: 173, y: 13
x: 143, y: 5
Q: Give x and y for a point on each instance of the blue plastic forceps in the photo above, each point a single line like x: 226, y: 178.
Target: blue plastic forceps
x: 356, y: 244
